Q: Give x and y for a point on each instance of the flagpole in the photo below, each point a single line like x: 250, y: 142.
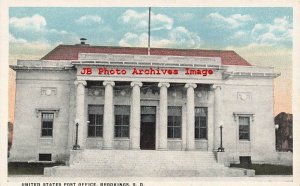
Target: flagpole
x: 149, y: 22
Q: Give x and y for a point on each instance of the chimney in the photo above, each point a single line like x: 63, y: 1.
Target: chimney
x: 82, y: 41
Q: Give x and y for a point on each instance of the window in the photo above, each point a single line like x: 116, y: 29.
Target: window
x: 244, y: 128
x: 200, y: 123
x: 174, y: 122
x: 245, y: 160
x: 95, y: 115
x: 122, y: 115
x: 45, y: 157
x: 47, y: 124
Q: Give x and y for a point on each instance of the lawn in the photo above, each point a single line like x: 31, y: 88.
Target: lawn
x: 267, y: 169
x: 24, y: 168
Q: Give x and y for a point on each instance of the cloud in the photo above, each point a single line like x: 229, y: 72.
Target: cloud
x: 187, y: 16
x: 238, y: 35
x: 89, y: 19
x: 36, y: 22
x: 233, y: 21
x: 30, y: 36
x: 178, y: 37
x: 139, y: 20
x: 279, y: 31
x: 55, y: 37
x: 132, y: 39
x: 265, y: 55
x: 34, y: 29
x: 12, y: 39
x: 20, y: 49
x: 184, y: 38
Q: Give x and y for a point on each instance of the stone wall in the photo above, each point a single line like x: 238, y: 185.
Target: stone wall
x: 252, y: 98
x: 38, y: 91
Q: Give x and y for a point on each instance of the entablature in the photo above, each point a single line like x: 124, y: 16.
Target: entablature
x: 51, y: 65
x: 163, y: 60
x: 228, y: 75
x: 95, y: 60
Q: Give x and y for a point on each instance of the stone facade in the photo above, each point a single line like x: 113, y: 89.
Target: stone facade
x: 230, y: 95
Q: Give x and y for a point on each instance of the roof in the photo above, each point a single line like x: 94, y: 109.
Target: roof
x: 70, y: 52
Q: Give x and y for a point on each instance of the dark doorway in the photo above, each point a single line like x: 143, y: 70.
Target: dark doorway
x: 148, y: 118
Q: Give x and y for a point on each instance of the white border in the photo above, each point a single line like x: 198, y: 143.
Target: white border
x: 5, y: 4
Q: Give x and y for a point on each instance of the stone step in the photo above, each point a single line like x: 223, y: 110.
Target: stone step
x: 144, y: 160
x: 161, y: 164
x: 154, y: 168
x: 159, y: 155
x: 90, y: 151
x: 152, y: 159
x: 92, y: 172
x: 149, y: 162
x: 95, y: 163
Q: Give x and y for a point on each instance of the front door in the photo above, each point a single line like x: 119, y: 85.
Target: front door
x: 148, y: 117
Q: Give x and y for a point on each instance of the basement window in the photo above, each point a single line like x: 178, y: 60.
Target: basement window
x: 245, y: 160
x: 45, y: 157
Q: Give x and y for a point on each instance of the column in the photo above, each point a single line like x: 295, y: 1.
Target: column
x: 80, y: 112
x: 163, y: 116
x: 217, y: 114
x: 190, y: 110
x: 108, y: 125
x: 135, y: 124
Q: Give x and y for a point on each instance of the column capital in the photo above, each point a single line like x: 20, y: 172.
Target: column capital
x: 188, y: 85
x: 77, y: 82
x: 136, y: 83
x: 164, y: 84
x: 108, y: 83
x: 215, y: 87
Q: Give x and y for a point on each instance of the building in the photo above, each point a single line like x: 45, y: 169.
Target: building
x: 284, y: 132
x: 120, y: 98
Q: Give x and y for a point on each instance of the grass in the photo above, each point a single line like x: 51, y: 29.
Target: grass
x: 267, y: 169
x: 24, y: 168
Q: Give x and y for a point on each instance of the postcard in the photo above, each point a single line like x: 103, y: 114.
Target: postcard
x: 147, y: 94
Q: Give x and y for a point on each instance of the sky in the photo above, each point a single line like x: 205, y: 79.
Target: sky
x: 263, y: 36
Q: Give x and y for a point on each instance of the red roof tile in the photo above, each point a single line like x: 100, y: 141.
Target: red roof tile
x: 70, y: 52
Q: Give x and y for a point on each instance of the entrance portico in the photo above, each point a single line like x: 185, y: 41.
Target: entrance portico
x: 172, y: 129
x: 175, y: 98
